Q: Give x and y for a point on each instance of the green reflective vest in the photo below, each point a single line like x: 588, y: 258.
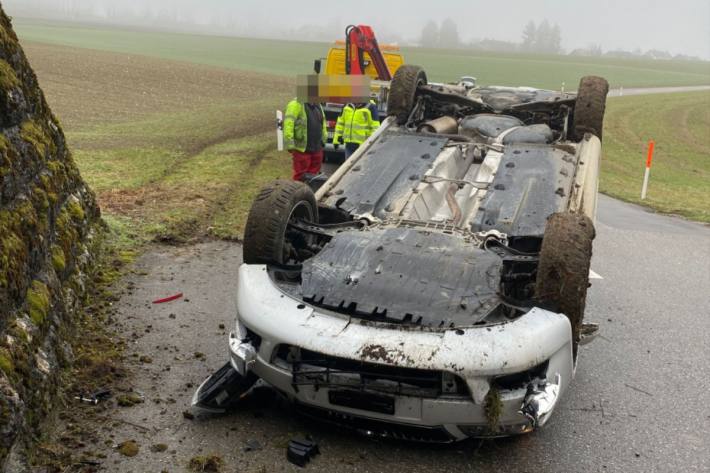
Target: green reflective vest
x: 354, y: 125
x: 295, y: 126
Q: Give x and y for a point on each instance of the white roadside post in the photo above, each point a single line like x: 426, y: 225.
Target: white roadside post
x: 647, y: 173
x: 279, y: 130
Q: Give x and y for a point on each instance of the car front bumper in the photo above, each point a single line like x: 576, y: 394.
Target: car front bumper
x: 479, y: 356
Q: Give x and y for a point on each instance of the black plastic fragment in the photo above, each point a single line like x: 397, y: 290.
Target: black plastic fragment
x: 94, y: 398
x: 223, y: 389
x: 300, y: 451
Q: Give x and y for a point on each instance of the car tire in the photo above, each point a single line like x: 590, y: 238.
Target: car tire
x: 265, y: 236
x: 589, y: 107
x: 403, y: 91
x: 563, y: 269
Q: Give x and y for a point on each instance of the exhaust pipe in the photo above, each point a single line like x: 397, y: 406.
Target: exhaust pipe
x: 443, y: 125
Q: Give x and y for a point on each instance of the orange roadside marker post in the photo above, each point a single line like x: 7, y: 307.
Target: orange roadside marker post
x: 647, y: 173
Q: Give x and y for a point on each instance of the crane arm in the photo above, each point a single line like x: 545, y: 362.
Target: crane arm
x: 359, y: 40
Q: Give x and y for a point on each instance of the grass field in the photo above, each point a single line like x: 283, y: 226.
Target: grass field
x: 173, y: 150
x: 176, y: 150
x: 680, y: 175
x: 293, y: 57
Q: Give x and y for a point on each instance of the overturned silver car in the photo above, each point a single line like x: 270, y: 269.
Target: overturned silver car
x: 433, y: 288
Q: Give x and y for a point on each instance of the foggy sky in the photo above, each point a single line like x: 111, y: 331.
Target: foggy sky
x: 679, y: 26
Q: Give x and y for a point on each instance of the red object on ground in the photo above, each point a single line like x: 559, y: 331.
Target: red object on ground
x: 306, y: 163
x: 168, y: 299
x: 649, y: 157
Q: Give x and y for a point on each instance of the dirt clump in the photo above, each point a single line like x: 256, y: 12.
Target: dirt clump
x: 158, y: 447
x: 129, y: 400
x: 129, y: 448
x: 211, y: 463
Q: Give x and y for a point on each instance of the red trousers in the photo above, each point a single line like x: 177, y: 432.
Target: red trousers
x: 306, y: 163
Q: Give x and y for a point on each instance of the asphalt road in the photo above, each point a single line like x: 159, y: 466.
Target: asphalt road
x: 639, y: 401
x: 620, y: 92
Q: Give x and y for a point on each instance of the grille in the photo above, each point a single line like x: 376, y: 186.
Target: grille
x: 320, y: 370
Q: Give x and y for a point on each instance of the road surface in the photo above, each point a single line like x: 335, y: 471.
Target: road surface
x: 639, y: 401
x: 619, y: 92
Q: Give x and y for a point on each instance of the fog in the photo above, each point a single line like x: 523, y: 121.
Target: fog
x: 679, y: 27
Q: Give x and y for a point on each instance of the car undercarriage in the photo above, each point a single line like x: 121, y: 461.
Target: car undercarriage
x: 433, y: 288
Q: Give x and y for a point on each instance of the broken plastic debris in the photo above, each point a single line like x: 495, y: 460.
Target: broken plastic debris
x: 300, y: 452
x: 540, y: 400
x: 252, y: 445
x: 168, y: 299
x: 94, y: 398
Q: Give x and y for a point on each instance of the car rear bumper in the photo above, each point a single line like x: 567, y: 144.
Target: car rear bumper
x: 494, y: 358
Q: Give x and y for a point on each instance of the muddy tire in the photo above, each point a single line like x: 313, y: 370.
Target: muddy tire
x: 265, y: 236
x: 563, y: 270
x: 589, y: 107
x: 403, y: 91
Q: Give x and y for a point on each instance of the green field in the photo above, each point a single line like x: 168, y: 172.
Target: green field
x: 680, y: 175
x: 293, y: 57
x: 176, y: 150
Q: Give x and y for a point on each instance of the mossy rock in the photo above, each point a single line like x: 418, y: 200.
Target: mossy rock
x: 8, y: 78
x: 33, y: 134
x: 59, y: 262
x: 76, y: 211
x: 7, y: 365
x: 38, y: 302
x: 47, y: 217
x: 14, y: 254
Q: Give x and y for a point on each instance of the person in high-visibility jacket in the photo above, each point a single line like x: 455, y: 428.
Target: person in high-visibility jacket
x: 355, y: 125
x: 305, y: 134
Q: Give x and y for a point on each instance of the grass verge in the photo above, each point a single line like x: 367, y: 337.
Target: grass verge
x: 680, y: 175
x: 98, y: 359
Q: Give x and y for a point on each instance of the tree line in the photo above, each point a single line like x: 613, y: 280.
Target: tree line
x: 542, y: 38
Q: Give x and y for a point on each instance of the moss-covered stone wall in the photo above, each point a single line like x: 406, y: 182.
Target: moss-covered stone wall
x: 48, y: 234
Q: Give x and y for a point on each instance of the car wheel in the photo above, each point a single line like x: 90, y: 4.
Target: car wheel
x: 403, y: 91
x: 267, y: 239
x: 563, y: 269
x: 589, y: 107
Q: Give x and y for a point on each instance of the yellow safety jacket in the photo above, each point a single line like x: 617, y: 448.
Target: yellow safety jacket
x: 354, y: 125
x: 296, y: 126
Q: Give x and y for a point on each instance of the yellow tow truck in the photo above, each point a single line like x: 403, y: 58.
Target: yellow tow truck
x: 358, y: 54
